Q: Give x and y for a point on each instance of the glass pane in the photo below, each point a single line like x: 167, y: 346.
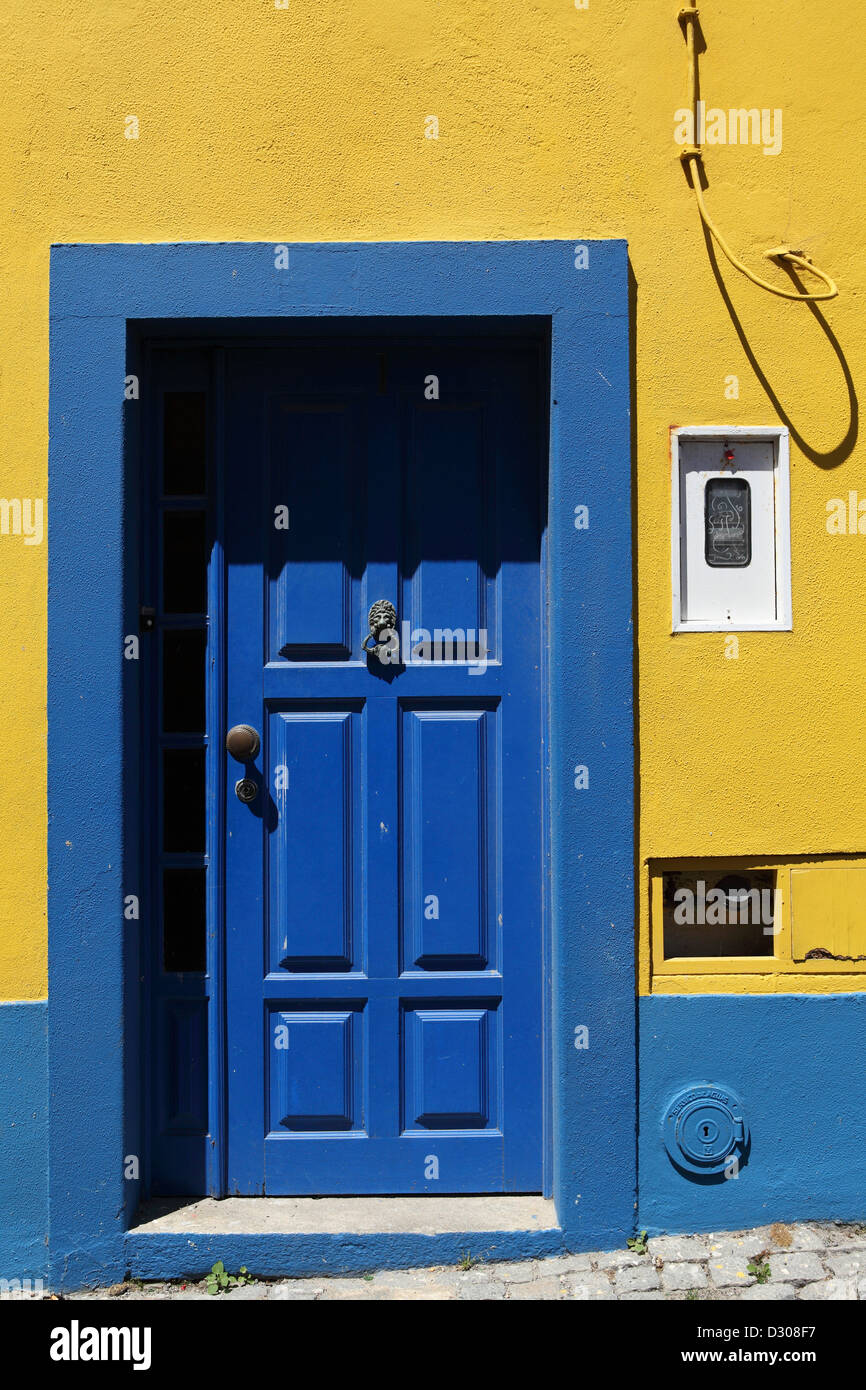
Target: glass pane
x: 184, y: 564
x: 183, y: 800
x: 184, y: 455
x: 183, y: 681
x: 183, y: 919
x: 728, y: 522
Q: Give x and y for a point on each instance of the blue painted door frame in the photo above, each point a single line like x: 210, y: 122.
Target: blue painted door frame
x: 104, y: 299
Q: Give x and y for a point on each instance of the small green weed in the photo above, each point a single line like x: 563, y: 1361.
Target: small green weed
x: 220, y: 1281
x: 760, y: 1267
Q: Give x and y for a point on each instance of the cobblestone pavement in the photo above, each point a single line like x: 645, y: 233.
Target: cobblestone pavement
x: 818, y: 1261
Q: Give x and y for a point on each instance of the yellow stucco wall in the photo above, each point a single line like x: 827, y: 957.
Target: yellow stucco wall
x: 308, y: 123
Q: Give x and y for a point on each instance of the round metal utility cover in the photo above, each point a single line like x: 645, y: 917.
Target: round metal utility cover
x: 704, y: 1127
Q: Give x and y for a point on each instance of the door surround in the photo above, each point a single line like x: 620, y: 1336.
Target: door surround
x: 104, y: 298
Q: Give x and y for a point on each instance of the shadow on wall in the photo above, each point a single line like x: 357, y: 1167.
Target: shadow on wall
x: 828, y: 458
x: 824, y: 458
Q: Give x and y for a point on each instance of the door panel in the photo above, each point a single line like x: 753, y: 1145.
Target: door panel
x: 451, y: 1063
x: 448, y: 839
x: 384, y: 887
x: 449, y: 520
x: 316, y: 1082
x: 314, y: 601
x: 313, y: 853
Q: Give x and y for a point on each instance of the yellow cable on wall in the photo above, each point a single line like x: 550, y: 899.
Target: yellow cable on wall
x: 692, y: 157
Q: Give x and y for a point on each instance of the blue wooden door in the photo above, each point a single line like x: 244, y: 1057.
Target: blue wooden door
x: 384, y: 886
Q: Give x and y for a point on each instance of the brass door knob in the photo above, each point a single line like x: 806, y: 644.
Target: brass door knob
x: 243, y: 742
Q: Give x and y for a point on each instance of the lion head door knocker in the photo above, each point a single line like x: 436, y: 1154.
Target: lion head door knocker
x: 382, y: 619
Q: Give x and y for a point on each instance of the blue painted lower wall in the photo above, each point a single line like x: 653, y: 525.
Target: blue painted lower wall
x: 798, y: 1064
x: 23, y: 1140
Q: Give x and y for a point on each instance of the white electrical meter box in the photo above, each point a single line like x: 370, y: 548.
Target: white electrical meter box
x: 731, y: 542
